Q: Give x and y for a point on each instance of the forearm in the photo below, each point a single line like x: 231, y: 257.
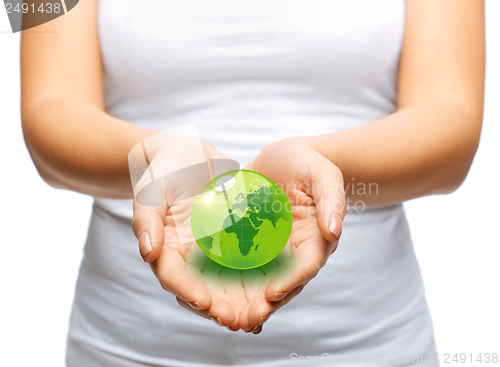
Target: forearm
x: 414, y: 152
x: 79, y: 147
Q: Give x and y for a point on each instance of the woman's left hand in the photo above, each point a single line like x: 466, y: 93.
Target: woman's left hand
x: 315, y: 189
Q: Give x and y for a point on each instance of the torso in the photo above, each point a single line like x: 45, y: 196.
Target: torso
x: 249, y: 73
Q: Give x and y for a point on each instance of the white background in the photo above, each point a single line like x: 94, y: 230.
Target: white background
x: 43, y: 230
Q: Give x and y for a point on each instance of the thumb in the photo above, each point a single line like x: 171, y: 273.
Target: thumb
x: 326, y: 187
x: 148, y: 226
x: 218, y: 163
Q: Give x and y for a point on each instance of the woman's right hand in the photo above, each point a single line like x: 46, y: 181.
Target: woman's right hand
x: 166, y: 243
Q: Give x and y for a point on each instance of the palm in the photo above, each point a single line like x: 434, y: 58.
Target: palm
x: 184, y: 270
x: 246, y: 298
x: 307, y: 249
x: 180, y: 266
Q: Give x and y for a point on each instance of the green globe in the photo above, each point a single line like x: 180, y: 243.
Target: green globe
x: 241, y: 219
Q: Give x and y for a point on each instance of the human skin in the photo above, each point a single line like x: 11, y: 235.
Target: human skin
x: 242, y: 299
x: 426, y: 147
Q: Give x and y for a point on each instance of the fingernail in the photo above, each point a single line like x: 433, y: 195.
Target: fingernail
x: 145, y: 248
x: 195, y: 305
x: 257, y: 330
x: 335, y: 227
x: 263, y: 319
x: 227, y: 327
x: 279, y: 295
x: 216, y: 320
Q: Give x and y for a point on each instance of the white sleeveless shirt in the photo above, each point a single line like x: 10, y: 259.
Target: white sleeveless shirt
x: 249, y: 73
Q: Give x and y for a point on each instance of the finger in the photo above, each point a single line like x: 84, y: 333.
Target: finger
x: 325, y: 184
x: 308, y: 259
x: 251, y: 282
x: 259, y: 283
x: 257, y: 330
x: 260, y: 309
x: 174, y: 277
x: 148, y: 226
x: 233, y: 287
x: 206, y: 314
x: 256, y: 312
x: 291, y: 295
x: 268, y: 271
x: 218, y: 162
x: 243, y: 318
x: 222, y: 309
x: 187, y: 306
x: 250, y: 166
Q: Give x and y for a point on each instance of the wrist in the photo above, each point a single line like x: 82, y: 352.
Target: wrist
x: 317, y: 142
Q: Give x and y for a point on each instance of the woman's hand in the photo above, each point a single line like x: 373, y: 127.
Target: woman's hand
x: 245, y: 299
x: 165, y: 241
x: 315, y: 188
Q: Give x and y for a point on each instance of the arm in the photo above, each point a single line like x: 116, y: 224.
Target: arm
x: 427, y: 146
x: 74, y: 144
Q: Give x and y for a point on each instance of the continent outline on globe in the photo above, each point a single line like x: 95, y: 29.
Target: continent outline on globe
x: 243, y: 226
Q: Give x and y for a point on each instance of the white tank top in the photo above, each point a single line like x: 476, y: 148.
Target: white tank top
x: 249, y: 73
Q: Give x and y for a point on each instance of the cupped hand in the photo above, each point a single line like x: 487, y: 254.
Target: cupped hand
x: 246, y: 299
x: 315, y: 189
x: 165, y: 241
